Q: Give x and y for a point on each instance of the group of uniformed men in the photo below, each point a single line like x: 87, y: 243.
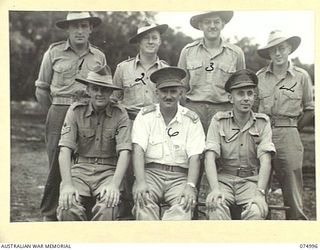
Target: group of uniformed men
x: 157, y: 125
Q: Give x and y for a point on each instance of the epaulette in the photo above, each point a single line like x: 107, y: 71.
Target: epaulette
x: 125, y: 61
x: 301, y: 70
x: 56, y: 44
x: 192, y: 115
x: 222, y: 115
x: 164, y: 62
x: 262, y: 70
x: 96, y: 47
x: 234, y: 47
x: 262, y: 116
x: 74, y: 105
x: 194, y: 43
x: 148, y: 109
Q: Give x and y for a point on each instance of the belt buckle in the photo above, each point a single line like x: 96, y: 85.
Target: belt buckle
x: 96, y: 160
x: 241, y: 173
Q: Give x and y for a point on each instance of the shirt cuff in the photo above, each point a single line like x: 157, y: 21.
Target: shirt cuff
x: 42, y: 85
x: 213, y: 147
x: 266, y: 149
x: 68, y: 144
x: 123, y: 146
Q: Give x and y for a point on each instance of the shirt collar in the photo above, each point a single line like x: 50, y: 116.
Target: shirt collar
x: 137, y: 60
x: 223, y: 43
x: 290, y: 68
x: 176, y: 118
x: 249, y: 123
x: 68, y: 46
x: 90, y: 110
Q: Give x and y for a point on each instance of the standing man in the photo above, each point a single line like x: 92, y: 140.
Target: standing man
x: 285, y: 94
x: 56, y: 90
x: 167, y: 142
x: 239, y: 143
x: 209, y: 62
x: 133, y: 75
x: 98, y: 135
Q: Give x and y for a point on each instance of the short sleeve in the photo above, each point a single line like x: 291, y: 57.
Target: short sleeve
x: 45, y: 72
x: 140, y: 133
x: 123, y: 134
x: 69, y: 130
x: 213, y: 137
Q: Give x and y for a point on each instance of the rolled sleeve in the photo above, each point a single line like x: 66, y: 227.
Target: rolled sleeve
x: 182, y: 63
x: 69, y: 131
x: 266, y: 145
x: 241, y: 64
x: 123, y: 137
x: 308, y: 100
x: 213, y: 138
x: 45, y: 72
x: 196, y: 140
x: 140, y: 133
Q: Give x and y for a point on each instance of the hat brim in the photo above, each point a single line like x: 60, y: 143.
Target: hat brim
x: 161, y: 28
x: 241, y: 85
x: 169, y: 85
x: 63, y: 24
x: 226, y: 16
x: 294, y: 41
x: 102, y: 84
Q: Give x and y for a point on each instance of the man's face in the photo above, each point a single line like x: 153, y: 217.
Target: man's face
x: 279, y: 54
x: 79, y: 32
x: 242, y: 99
x: 99, y: 96
x: 150, y: 43
x: 169, y: 97
x: 211, y: 27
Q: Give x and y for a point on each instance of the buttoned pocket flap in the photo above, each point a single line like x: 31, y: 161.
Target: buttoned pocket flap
x: 87, y: 133
x: 228, y: 68
x: 192, y: 65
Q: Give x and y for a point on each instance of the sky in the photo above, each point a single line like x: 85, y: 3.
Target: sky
x: 256, y: 25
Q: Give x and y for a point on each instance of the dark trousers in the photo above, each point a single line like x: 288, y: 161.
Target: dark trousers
x: 54, y: 122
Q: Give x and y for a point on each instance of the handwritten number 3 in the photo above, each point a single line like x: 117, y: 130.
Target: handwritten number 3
x: 210, y: 68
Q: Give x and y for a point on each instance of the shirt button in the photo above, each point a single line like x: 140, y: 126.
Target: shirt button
x: 97, y: 139
x: 147, y: 91
x: 241, y: 144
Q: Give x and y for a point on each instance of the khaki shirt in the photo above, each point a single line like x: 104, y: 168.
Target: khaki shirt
x: 285, y: 97
x: 138, y: 91
x: 61, y: 65
x: 170, y: 145
x: 207, y: 73
x: 96, y: 135
x: 240, y: 147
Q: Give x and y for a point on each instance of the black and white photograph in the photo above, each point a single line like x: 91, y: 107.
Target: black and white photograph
x: 145, y: 116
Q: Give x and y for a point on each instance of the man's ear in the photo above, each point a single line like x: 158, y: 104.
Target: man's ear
x: 230, y: 98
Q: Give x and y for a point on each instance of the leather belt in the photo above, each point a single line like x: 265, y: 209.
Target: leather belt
x: 240, y: 172
x: 92, y: 160
x: 277, y: 122
x: 168, y: 168
x: 67, y: 100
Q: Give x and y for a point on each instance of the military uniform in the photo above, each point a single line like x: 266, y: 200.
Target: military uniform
x: 167, y: 151
x: 59, y: 67
x: 238, y: 163
x: 138, y: 91
x: 96, y: 140
x: 284, y: 100
x: 207, y: 75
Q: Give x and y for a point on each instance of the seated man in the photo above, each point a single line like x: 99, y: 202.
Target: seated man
x: 167, y: 142
x: 240, y: 141
x: 98, y: 134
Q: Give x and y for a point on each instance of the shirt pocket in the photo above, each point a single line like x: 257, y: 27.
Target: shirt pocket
x: 179, y: 151
x: 64, y: 73
x: 225, y: 71
x: 265, y: 102
x: 291, y: 103
x: 86, y: 140
x: 155, y: 148
x: 109, y: 142
x: 132, y: 89
x: 229, y: 146
x: 255, y: 138
x: 195, y: 70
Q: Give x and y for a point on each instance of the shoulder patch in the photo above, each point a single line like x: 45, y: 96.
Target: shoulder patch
x: 148, y: 109
x: 74, y: 105
x: 194, y: 43
x: 192, y: 115
x: 222, y: 115
x: 261, y: 116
